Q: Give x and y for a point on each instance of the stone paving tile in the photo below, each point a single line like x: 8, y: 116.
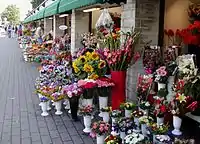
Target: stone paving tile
x: 20, y: 119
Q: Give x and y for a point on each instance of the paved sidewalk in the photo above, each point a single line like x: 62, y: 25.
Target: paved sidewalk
x: 20, y: 119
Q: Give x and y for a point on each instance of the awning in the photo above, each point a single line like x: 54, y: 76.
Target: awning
x: 52, y: 9
x: 40, y: 14
x: 66, y: 5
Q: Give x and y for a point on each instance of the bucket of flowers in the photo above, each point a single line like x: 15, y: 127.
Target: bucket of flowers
x: 144, y: 107
x: 99, y: 130
x: 44, y: 105
x: 115, y: 115
x: 110, y: 139
x: 128, y: 107
x: 136, y: 115
x: 87, y: 111
x: 106, y: 113
x: 124, y: 125
x: 134, y: 138
x: 161, y: 77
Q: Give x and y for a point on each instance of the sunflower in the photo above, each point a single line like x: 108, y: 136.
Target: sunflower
x: 76, y: 69
x: 93, y: 76
x: 88, y: 68
x: 88, y: 55
x: 95, y: 56
x: 102, y: 64
x: 82, y: 59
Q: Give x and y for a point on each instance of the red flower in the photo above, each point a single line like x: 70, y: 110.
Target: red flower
x: 89, y: 85
x: 170, y: 32
x: 163, y: 108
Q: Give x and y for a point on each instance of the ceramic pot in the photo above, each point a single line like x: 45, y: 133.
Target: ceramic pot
x: 103, y: 102
x: 177, y: 121
x: 161, y: 86
x: 44, y: 109
x: 87, y: 123
x: 58, y: 106
x: 159, y: 120
x: 106, y: 116
x: 100, y: 139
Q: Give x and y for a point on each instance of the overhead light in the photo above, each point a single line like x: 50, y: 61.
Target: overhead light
x: 50, y: 18
x: 63, y: 15
x: 92, y: 9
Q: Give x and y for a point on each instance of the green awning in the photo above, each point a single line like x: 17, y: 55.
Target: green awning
x: 52, y: 9
x: 40, y: 14
x: 66, y: 5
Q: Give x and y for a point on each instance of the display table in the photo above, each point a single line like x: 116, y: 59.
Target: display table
x: 195, y: 118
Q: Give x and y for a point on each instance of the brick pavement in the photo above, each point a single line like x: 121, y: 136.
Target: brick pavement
x: 20, y: 119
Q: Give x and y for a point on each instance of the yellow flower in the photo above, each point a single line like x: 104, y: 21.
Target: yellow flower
x: 88, y: 68
x: 181, y: 98
x: 82, y: 59
x: 76, y: 69
x: 95, y: 56
x: 102, y: 64
x: 93, y: 76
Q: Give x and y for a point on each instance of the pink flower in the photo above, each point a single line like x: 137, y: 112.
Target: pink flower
x: 163, y: 68
x: 163, y: 73
x: 101, y: 129
x: 92, y: 134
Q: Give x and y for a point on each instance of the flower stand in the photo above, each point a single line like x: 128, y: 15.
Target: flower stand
x: 177, y: 125
x: 105, y: 116
x: 87, y: 123
x: 103, y: 102
x: 161, y: 86
x: 100, y: 139
x: 159, y: 120
x: 44, y: 109
x: 58, y: 106
x: 128, y: 113
x: 74, y: 102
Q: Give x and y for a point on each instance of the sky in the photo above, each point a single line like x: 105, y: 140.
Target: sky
x: 23, y: 5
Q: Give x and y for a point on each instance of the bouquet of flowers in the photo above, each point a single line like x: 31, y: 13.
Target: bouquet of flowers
x: 145, y: 105
x: 158, y: 129
x: 143, y: 86
x: 194, y: 12
x: 161, y: 75
x: 72, y: 90
x: 86, y: 110
x: 89, y: 40
x: 134, y: 138
x: 57, y: 95
x: 106, y: 109
x: 127, y: 106
x: 161, y: 107
x: 137, y: 114
x: 116, y: 114
x: 124, y: 124
x: 174, y: 38
x: 89, y: 66
x: 145, y: 119
x: 110, y: 139
x: 44, y: 99
x: 99, y: 128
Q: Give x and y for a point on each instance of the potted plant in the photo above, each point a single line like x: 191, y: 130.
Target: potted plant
x: 99, y: 130
x: 86, y: 111
x: 110, y: 139
x: 106, y: 113
x: 134, y: 138
x: 136, y: 115
x: 144, y: 120
x: 44, y: 103
x: 115, y: 115
x: 128, y: 107
x: 144, y: 107
x: 161, y: 77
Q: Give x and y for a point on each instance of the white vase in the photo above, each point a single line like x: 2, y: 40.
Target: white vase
x: 161, y: 86
x: 67, y: 105
x: 106, y: 116
x: 103, y: 102
x: 44, y: 109
x: 136, y: 120
x: 122, y: 135
x: 159, y: 120
x: 58, y: 105
x: 144, y: 129
x: 100, y: 139
x: 88, y: 102
x: 48, y: 105
x: 87, y: 123
x: 26, y: 58
x: 128, y: 113
x: 177, y: 125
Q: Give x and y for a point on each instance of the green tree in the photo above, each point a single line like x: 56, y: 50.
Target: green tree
x: 12, y: 14
x: 36, y: 3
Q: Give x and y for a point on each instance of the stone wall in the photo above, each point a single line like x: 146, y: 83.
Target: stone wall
x: 142, y: 15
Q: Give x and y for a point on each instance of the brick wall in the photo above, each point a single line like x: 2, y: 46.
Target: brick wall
x: 143, y: 15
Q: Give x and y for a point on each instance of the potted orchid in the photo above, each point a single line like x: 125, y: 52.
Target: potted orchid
x: 144, y: 120
x: 161, y: 77
x: 128, y: 107
x: 86, y: 111
x: 73, y: 91
x: 99, y: 130
x: 106, y: 113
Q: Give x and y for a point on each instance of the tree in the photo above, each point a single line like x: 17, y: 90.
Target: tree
x: 36, y: 3
x: 12, y: 14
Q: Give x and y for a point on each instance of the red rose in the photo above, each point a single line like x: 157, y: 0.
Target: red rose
x: 163, y: 108
x: 89, y: 85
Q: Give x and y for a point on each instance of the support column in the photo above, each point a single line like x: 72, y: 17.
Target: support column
x: 45, y: 26
x: 54, y: 26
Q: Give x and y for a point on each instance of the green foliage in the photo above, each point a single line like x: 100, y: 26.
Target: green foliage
x: 12, y: 13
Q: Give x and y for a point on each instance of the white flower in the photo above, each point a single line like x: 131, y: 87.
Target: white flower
x: 147, y: 104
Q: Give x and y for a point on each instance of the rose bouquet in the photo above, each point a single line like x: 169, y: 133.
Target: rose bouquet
x: 99, y: 128
x: 86, y: 110
x: 158, y: 129
x: 145, y: 119
x: 127, y: 106
x: 161, y: 107
x: 72, y: 90
x: 113, y: 140
x: 134, y: 138
x: 161, y: 75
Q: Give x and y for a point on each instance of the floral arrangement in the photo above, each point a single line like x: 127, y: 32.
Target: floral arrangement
x: 116, y: 114
x: 106, y: 109
x: 194, y: 12
x: 110, y: 139
x: 161, y: 107
x: 89, y: 66
x: 99, y: 128
x: 145, y: 119
x: 137, y: 113
x: 174, y: 37
x: 127, y: 106
x: 44, y: 99
x: 86, y: 110
x: 143, y: 86
x: 72, y: 90
x: 124, y: 124
x: 145, y: 105
x: 158, y: 129
x: 161, y: 75
x: 57, y: 96
x: 172, y: 68
x: 89, y: 40
x: 134, y: 138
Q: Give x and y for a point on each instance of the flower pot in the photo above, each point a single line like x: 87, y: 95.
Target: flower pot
x: 58, y: 106
x: 88, y: 102
x: 144, y: 129
x: 118, y: 91
x: 122, y: 135
x: 74, y: 101
x: 128, y: 113
x: 87, y: 124
x: 136, y: 121
x: 67, y: 105
x: 105, y: 116
x: 103, y: 102
x: 48, y: 105
x: 100, y: 139
x: 44, y: 109
x: 161, y: 86
x: 159, y: 120
x: 177, y: 125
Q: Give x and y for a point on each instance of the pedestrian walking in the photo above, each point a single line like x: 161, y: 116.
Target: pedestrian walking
x: 39, y: 33
x: 20, y: 30
x: 9, y: 31
x: 16, y: 29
